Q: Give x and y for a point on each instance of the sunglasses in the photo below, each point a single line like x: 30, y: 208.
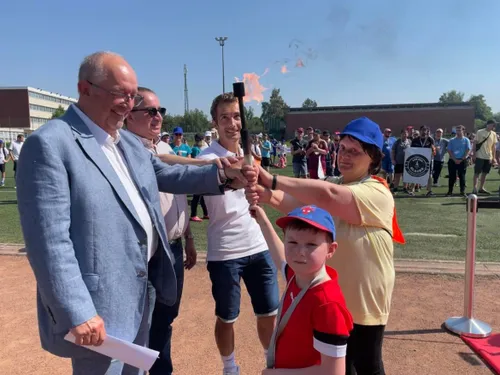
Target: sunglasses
x: 178, y: 134
x: 152, y: 111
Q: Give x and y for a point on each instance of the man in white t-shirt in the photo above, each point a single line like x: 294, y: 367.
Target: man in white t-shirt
x: 483, y: 155
x: 236, y: 247
x: 4, y: 158
x: 207, y: 140
x: 15, y: 151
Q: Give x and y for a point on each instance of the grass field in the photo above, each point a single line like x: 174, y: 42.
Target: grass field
x: 435, y: 227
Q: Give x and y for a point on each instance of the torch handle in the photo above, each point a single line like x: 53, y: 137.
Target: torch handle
x: 239, y: 92
x: 245, y: 141
x: 248, y: 159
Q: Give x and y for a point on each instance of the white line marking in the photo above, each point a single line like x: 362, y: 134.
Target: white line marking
x: 429, y: 234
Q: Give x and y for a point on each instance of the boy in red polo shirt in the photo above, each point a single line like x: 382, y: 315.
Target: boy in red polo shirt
x: 313, y: 321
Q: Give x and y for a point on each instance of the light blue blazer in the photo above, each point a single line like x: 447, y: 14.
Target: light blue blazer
x: 84, y: 240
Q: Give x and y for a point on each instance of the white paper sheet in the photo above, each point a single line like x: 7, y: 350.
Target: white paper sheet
x: 127, y: 352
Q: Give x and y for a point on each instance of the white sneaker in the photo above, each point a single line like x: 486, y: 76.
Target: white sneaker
x: 233, y: 371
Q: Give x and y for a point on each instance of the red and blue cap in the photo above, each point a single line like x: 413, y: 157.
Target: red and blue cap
x: 312, y: 215
x: 365, y: 130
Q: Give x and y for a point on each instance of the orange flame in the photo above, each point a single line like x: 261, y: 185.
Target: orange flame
x: 284, y: 69
x: 253, y: 88
x: 300, y: 63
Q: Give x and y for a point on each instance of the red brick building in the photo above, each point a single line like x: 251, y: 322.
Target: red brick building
x: 394, y: 116
x: 29, y: 108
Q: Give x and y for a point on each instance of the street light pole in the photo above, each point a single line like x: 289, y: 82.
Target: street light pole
x: 221, y: 40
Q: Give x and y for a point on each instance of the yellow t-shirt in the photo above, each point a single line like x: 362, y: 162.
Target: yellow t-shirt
x: 486, y: 150
x: 364, y: 258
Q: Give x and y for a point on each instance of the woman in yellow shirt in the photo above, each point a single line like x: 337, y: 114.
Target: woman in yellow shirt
x: 363, y: 209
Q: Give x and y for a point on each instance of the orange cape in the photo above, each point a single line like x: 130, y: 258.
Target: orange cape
x: 397, y: 234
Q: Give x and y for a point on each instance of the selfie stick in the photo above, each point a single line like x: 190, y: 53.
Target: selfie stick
x: 239, y: 92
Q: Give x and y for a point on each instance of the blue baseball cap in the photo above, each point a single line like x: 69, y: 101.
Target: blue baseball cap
x: 178, y: 130
x: 365, y: 130
x: 312, y: 215
x: 1, y: 140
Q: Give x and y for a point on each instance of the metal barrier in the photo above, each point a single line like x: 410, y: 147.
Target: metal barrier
x: 467, y: 325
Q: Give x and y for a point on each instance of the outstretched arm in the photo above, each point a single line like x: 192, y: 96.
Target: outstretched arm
x: 187, y: 179
x: 276, y: 246
x: 172, y: 159
x: 338, y: 200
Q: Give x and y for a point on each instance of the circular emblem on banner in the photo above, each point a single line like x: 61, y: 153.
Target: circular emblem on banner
x: 417, y: 165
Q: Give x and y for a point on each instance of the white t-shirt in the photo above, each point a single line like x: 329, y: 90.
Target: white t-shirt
x: 232, y: 232
x: 15, y: 147
x: 3, y: 155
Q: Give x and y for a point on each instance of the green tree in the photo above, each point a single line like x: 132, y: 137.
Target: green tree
x: 58, y: 112
x: 482, y: 110
x: 254, y: 124
x: 496, y: 117
x: 171, y: 121
x: 309, y: 103
x: 274, y: 110
x: 249, y: 114
x: 452, y: 96
x: 479, y: 124
x: 196, y: 121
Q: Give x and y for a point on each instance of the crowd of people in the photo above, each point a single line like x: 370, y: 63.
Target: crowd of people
x: 106, y: 223
x: 462, y: 150
x: 12, y: 153
x: 315, y: 156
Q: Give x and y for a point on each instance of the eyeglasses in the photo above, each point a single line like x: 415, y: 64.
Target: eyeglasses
x: 353, y: 153
x: 152, y: 111
x: 121, y: 95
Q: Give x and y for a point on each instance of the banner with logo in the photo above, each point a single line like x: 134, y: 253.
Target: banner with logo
x: 417, y: 165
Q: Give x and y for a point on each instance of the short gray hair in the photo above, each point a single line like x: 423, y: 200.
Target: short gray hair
x: 146, y: 89
x: 92, y: 67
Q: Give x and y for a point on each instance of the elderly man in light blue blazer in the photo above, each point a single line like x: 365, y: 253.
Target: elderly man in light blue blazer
x: 88, y: 196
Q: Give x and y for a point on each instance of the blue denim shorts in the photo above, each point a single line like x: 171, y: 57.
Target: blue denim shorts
x: 260, y: 276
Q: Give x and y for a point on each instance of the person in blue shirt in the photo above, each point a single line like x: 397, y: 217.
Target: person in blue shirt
x: 459, y: 148
x: 266, y: 152
x: 198, y: 144
x: 387, y: 166
x: 274, y: 142
x: 198, y: 199
x: 180, y: 148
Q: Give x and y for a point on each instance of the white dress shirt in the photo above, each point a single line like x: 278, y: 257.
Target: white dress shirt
x: 115, y: 156
x: 174, y: 207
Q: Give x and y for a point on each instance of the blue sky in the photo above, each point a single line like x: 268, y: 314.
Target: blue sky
x: 364, y: 51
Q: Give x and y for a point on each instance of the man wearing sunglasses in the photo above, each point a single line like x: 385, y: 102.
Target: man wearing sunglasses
x: 89, y: 204
x: 145, y: 123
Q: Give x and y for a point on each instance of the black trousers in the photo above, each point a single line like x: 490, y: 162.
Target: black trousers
x: 194, y: 205
x: 438, y: 166
x: 364, y: 351
x: 455, y: 170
